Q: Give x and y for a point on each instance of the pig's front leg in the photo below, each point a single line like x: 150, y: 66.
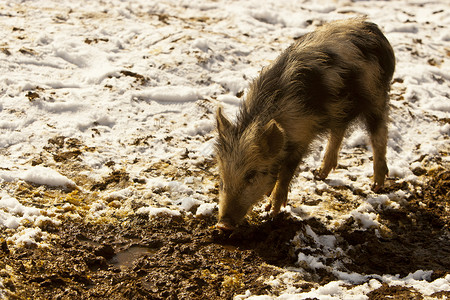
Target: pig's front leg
x: 281, y: 189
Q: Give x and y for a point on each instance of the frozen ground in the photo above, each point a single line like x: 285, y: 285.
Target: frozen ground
x: 107, y: 112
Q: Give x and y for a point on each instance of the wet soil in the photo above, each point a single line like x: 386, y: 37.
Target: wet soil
x: 185, y: 257
x: 418, y: 236
x: 164, y: 258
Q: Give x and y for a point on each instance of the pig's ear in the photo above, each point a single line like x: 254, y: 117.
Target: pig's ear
x: 222, y: 122
x: 272, y: 139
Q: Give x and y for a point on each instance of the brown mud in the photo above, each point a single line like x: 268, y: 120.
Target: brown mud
x: 185, y: 257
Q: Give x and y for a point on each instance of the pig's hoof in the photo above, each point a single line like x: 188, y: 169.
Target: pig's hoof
x: 377, y: 188
x: 319, y: 174
x: 225, y: 226
x: 274, y: 213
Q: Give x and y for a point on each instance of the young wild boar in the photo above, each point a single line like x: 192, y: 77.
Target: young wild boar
x: 328, y: 78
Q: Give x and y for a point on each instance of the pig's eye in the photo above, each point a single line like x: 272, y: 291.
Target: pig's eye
x: 250, y: 177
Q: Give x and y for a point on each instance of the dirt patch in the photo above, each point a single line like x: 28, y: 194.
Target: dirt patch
x: 138, y: 77
x: 115, y: 178
x: 185, y: 257
x: 417, y: 236
x: 394, y: 292
x: 63, y: 156
x: 401, y: 292
x: 165, y: 258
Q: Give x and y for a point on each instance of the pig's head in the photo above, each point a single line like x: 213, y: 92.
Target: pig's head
x: 248, y: 160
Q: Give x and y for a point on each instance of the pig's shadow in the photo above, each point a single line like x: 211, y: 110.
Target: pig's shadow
x: 419, y: 243
x: 269, y: 239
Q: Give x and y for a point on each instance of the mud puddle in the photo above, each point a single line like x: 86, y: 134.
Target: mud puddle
x: 125, y: 258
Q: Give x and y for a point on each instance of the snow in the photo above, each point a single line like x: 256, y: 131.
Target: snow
x: 311, y: 261
x: 154, y: 211
x: 336, y: 290
x: 27, y: 236
x: 169, y: 94
x: 46, y: 176
x: 206, y: 209
x: 142, y: 93
x: 188, y: 203
x: 420, y: 280
x: 13, y: 213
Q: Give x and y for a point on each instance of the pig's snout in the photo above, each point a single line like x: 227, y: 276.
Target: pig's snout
x: 225, y: 225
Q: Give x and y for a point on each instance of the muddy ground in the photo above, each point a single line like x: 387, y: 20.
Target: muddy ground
x: 185, y: 257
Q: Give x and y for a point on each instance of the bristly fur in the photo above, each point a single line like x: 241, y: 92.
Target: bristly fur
x: 319, y: 85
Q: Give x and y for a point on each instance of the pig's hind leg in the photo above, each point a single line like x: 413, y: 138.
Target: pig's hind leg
x: 331, y: 153
x: 378, y: 131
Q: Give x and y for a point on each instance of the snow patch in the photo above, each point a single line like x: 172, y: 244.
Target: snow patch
x: 169, y: 94
x: 206, y: 209
x: 155, y: 211
x: 46, y: 176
